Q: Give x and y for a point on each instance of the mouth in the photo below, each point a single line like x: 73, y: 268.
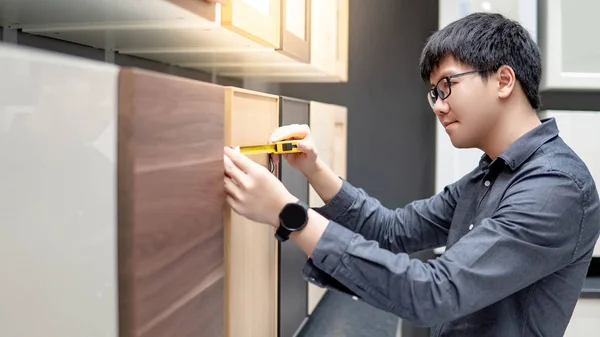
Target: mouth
x: 445, y: 124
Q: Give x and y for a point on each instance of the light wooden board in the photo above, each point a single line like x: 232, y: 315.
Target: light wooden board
x: 328, y: 124
x: 250, y: 248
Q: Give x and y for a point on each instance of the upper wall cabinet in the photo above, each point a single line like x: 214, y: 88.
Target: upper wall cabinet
x: 571, y: 60
x: 523, y: 11
x: 329, y: 29
x: 244, y: 38
x: 258, y: 20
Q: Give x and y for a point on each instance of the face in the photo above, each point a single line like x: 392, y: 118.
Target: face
x: 471, y: 110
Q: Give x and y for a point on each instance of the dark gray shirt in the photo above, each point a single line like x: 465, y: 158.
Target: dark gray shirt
x: 519, y: 233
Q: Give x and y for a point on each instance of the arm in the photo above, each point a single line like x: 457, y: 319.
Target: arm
x: 422, y: 224
x: 532, y: 228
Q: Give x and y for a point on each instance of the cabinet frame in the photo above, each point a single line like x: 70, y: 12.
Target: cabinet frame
x: 551, y: 46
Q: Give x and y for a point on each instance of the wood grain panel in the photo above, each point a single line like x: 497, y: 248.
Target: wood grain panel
x: 328, y: 123
x: 250, y: 248
x: 293, y: 290
x: 171, y: 196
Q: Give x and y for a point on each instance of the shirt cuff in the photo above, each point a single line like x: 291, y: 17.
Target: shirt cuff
x: 340, y: 203
x: 327, y: 256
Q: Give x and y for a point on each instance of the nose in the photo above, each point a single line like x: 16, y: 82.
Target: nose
x: 441, y: 107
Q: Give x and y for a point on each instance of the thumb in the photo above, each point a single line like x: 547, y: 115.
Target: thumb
x: 306, y: 147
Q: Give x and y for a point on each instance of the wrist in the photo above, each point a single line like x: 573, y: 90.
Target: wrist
x: 314, y: 170
x: 278, y: 206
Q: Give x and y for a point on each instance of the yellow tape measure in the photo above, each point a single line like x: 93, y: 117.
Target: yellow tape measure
x: 288, y: 146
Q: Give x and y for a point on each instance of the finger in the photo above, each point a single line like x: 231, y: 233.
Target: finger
x: 232, y: 189
x: 242, y: 162
x: 232, y: 203
x: 306, y: 147
x: 233, y: 171
x: 275, y: 158
x: 292, y: 131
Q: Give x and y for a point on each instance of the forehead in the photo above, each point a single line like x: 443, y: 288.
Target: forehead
x: 448, y: 65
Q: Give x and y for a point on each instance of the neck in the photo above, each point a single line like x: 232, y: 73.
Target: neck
x: 514, y: 122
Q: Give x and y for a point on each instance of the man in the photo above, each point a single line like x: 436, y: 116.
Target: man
x: 519, y: 229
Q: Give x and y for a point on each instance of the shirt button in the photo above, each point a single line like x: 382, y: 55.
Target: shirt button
x: 471, y: 227
x: 487, y: 183
x: 355, y: 298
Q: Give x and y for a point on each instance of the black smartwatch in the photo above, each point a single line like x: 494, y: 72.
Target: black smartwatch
x: 293, y: 217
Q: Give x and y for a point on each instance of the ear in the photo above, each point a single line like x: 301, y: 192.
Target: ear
x: 506, y: 81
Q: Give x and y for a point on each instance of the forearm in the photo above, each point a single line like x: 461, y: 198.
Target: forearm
x: 325, y: 182
x: 307, y: 238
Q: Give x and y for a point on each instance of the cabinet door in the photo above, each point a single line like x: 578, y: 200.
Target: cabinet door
x: 329, y: 37
x: 293, y: 290
x: 295, y: 29
x: 571, y: 60
x: 579, y: 130
x: 250, y: 247
x: 171, y: 196
x: 328, y: 124
x: 58, y: 247
x: 258, y: 20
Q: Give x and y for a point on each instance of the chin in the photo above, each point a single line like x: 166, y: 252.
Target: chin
x: 461, y: 143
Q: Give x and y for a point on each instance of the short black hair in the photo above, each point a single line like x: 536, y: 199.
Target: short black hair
x: 487, y: 41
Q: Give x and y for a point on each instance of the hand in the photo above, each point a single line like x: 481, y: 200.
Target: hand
x: 306, y: 161
x: 252, y: 191
x: 223, y: 2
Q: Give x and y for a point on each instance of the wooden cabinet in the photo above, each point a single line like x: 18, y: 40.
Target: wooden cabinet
x: 58, y: 209
x: 329, y: 49
x: 579, y: 130
x: 570, y: 61
x: 328, y: 124
x: 274, y: 40
x: 171, y: 196
x: 258, y: 20
x: 295, y: 29
x: 293, y: 290
x: 250, y: 248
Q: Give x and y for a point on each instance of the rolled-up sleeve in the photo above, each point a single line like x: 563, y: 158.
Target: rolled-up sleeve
x: 533, y: 233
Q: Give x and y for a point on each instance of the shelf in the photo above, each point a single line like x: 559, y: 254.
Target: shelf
x: 276, y: 40
x: 570, y: 60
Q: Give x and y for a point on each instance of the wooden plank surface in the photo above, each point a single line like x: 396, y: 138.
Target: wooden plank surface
x: 251, y: 248
x: 328, y: 124
x: 171, y: 195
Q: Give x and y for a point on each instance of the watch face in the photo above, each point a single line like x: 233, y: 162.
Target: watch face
x: 293, y: 216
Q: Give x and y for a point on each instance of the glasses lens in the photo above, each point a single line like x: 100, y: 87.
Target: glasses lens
x: 431, y: 98
x: 443, y: 88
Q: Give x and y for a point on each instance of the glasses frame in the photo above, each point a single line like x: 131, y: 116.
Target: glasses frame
x: 434, y: 93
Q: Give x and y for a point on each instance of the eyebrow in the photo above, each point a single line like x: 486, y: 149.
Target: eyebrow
x: 448, y: 72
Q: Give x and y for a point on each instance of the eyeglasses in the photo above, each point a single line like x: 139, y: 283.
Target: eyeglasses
x: 442, y: 88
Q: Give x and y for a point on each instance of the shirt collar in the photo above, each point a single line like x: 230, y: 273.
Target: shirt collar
x: 518, y: 152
